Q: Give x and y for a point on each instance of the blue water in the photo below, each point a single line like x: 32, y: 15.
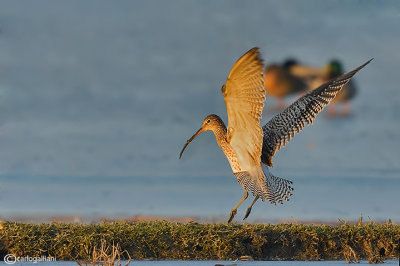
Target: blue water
x: 98, y: 97
x: 315, y: 198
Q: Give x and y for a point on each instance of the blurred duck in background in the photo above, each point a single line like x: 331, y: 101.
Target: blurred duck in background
x: 334, y: 69
x: 294, y: 78
x: 291, y: 78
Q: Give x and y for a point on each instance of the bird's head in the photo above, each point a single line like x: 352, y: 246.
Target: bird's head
x: 334, y: 68
x: 211, y: 122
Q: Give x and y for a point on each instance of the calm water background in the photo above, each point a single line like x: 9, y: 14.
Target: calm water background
x: 97, y: 99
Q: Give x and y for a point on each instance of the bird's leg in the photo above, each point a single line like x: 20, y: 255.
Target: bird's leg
x: 249, y: 208
x: 234, y: 209
x: 332, y: 109
x: 346, y: 108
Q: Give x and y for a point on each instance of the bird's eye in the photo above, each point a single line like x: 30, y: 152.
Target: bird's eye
x: 208, y: 121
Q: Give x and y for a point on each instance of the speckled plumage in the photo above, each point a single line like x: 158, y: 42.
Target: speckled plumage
x: 245, y: 144
x: 277, y: 189
x: 282, y: 128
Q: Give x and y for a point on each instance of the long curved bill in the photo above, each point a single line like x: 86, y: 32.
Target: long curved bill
x: 190, y: 140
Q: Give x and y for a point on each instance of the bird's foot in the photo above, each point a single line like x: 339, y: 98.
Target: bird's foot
x: 346, y: 108
x: 247, y: 213
x: 332, y: 110
x: 345, y: 112
x: 233, y: 213
x: 332, y: 114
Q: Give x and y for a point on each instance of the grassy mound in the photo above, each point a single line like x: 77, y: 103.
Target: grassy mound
x: 195, y: 241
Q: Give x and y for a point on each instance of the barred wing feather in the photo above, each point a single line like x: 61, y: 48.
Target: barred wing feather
x: 244, y: 96
x: 282, y: 128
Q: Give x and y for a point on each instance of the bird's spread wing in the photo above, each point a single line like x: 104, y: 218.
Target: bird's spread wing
x: 282, y: 128
x: 244, y: 96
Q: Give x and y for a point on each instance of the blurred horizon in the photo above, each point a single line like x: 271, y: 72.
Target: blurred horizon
x: 97, y: 99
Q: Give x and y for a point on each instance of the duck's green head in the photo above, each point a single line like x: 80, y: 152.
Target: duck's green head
x: 334, y: 68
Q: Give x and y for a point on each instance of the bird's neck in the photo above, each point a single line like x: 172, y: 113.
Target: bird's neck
x: 220, y: 133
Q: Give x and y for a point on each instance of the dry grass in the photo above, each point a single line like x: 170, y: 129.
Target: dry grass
x: 106, y: 255
x: 195, y: 241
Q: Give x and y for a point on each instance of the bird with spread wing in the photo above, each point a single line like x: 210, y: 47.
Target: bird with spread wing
x: 245, y: 144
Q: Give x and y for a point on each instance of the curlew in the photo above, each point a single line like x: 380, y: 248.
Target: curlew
x: 245, y: 144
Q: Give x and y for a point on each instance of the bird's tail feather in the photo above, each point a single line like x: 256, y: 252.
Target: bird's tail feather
x: 279, y: 188
x: 266, y: 186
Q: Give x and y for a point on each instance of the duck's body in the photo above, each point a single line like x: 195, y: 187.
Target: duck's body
x: 245, y: 144
x: 280, y: 83
x: 311, y: 76
x: 289, y: 78
x: 314, y: 77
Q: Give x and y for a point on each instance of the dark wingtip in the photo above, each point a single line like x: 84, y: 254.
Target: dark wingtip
x: 366, y: 63
x: 363, y: 65
x: 352, y: 72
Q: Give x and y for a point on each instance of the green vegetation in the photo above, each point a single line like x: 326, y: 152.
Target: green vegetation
x: 196, y: 241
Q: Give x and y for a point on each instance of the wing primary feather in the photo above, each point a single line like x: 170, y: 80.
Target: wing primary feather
x: 283, y: 127
x: 244, y: 96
